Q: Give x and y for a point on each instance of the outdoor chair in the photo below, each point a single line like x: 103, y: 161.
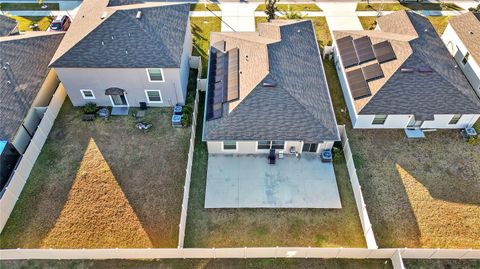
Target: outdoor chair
x: 272, y: 157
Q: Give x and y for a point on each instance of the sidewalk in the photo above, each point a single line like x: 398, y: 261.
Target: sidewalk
x: 238, y: 17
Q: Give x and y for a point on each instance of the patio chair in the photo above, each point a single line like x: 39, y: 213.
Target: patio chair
x: 272, y: 157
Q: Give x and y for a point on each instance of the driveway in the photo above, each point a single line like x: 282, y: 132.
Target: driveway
x: 341, y: 15
x: 248, y: 181
x: 238, y: 17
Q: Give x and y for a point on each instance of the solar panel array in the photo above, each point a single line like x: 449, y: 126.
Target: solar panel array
x: 372, y: 72
x: 384, y: 52
x: 357, y: 84
x: 363, y: 49
x: 223, y: 80
x: 347, y: 51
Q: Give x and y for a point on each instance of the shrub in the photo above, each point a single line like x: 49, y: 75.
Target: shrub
x: 89, y: 108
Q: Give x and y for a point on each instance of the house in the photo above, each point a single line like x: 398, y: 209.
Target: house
x: 462, y: 38
x: 266, y: 92
x: 8, y: 26
x: 401, y: 75
x: 26, y: 89
x: 120, y: 55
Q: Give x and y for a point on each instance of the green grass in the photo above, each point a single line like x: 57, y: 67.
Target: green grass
x: 25, y: 22
x: 201, y: 28
x: 28, y: 6
x: 336, y: 93
x: 268, y: 227
x: 406, y: 6
x: 438, y: 22
x: 202, y: 7
x: 292, y: 7
x: 201, y: 264
x: 441, y: 264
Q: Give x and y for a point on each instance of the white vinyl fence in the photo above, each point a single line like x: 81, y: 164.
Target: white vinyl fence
x: 357, y: 191
x: 20, y: 175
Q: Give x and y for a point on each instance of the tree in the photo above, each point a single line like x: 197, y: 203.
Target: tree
x: 292, y: 14
x: 473, y: 9
x: 270, y: 9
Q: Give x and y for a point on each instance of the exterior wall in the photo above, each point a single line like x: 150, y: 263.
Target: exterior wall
x: 250, y: 147
x: 401, y: 122
x: 458, y: 50
x: 185, y: 64
x: 343, y: 82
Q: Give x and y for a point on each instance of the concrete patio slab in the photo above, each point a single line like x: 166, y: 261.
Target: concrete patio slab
x: 248, y: 181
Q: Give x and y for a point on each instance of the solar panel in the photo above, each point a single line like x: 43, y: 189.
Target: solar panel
x: 363, y: 49
x: 215, y: 84
x: 357, y: 84
x: 232, y: 89
x: 347, y: 51
x: 372, y: 72
x: 384, y: 52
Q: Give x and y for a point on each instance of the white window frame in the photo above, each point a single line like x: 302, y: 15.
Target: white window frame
x: 87, y: 97
x: 453, y: 117
x: 271, y: 144
x: 154, y: 102
x: 230, y: 150
x: 375, y: 117
x: 161, y: 72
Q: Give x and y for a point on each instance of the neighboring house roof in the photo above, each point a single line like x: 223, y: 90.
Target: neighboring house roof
x: 113, y: 37
x: 298, y: 107
x: 114, y: 3
x: 7, y: 25
x: 467, y: 27
x: 436, y: 86
x: 24, y: 66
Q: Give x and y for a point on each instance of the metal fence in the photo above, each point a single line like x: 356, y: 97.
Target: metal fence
x: 357, y: 191
x: 20, y: 175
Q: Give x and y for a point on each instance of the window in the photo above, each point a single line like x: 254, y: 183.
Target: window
x: 379, y: 119
x: 266, y: 145
x: 87, y: 94
x: 455, y: 119
x: 229, y: 145
x: 465, y: 58
x: 155, y: 74
x: 154, y: 96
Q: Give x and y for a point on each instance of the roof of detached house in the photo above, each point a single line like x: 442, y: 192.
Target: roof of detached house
x: 467, y: 27
x: 404, y: 69
x: 24, y: 66
x: 263, y: 86
x: 7, y: 25
x: 124, y: 34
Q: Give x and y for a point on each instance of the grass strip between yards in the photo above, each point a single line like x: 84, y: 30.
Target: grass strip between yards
x: 201, y: 28
x: 292, y: 7
x: 407, y: 6
x: 28, y: 6
x: 439, y: 22
x: 25, y: 22
x: 203, y: 7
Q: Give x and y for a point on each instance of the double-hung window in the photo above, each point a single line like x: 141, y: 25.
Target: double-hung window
x: 87, y: 94
x: 455, y: 119
x: 266, y: 145
x: 229, y: 145
x: 154, y: 96
x: 155, y: 75
x: 379, y: 119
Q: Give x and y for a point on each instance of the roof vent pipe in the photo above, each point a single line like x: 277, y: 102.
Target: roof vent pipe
x: 104, y: 15
x: 139, y: 15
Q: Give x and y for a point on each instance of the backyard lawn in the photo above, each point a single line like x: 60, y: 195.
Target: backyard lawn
x: 103, y: 184
x: 203, y: 7
x: 202, y: 264
x: 439, y: 22
x: 28, y: 6
x: 25, y: 22
x: 406, y: 6
x: 292, y: 7
x: 201, y: 28
x: 269, y: 227
x: 420, y: 193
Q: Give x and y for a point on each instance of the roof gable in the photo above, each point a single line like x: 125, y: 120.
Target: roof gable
x: 7, y: 25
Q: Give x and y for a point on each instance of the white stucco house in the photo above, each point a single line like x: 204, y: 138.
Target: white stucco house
x: 120, y: 55
x: 462, y: 38
x: 265, y: 91
x: 401, y: 75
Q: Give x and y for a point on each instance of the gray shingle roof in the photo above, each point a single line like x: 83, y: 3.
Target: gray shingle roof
x: 7, y: 25
x: 416, y: 44
x: 467, y: 27
x: 114, y: 3
x: 123, y: 41
x: 27, y: 57
x: 298, y: 108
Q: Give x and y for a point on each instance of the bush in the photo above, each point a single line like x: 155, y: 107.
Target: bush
x: 187, y: 114
x: 89, y: 108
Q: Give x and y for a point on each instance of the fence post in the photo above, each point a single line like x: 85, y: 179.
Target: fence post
x: 338, y: 253
x: 245, y: 252
x: 435, y: 252
x: 306, y: 252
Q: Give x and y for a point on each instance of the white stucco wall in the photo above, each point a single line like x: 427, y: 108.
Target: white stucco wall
x: 458, y: 50
x: 250, y: 147
x: 401, y: 122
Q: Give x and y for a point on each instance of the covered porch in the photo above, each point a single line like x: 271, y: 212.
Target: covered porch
x: 249, y: 181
